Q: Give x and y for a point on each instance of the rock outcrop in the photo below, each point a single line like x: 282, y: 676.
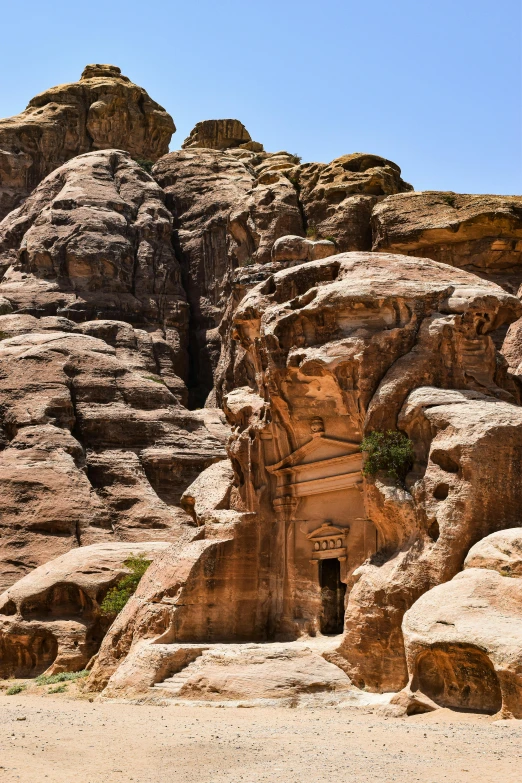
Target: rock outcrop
x: 333, y: 348
x: 345, y: 341
x: 463, y: 638
x: 94, y: 241
x: 227, y: 213
x: 92, y: 420
x: 221, y: 135
x: 103, y: 110
x: 95, y: 445
x: 464, y: 442
x: 338, y: 198
x: 480, y: 233
x: 51, y: 621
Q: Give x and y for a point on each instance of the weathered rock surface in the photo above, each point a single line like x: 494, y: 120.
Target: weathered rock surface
x: 501, y: 551
x: 338, y: 198
x: 51, y: 621
x: 103, y: 110
x: 206, y: 587
x: 93, y: 241
x: 294, y: 248
x: 335, y: 347
x: 284, y: 673
x: 221, y: 135
x: 217, y: 281
x: 463, y: 639
x: 480, y: 233
x: 511, y: 348
x: 345, y: 341
x: 227, y: 213
x: 96, y: 442
x: 96, y: 446
x: 425, y: 536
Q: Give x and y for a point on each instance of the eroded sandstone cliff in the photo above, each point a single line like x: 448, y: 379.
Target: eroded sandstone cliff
x: 190, y: 357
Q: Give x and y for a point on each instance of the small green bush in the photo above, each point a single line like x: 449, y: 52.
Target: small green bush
x: 14, y: 689
x: 58, y: 689
x: 332, y: 239
x: 62, y: 677
x: 146, y: 165
x: 152, y: 378
x: 390, y: 452
x: 118, y: 596
x: 297, y: 158
x: 311, y: 231
x: 449, y: 199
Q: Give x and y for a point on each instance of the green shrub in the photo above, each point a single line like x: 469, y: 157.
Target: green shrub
x: 118, y: 596
x: 390, y: 452
x: 146, y: 165
x: 332, y: 239
x: 449, y: 199
x: 62, y: 677
x: 152, y: 378
x: 58, y: 689
x: 297, y: 158
x: 311, y: 231
x: 14, y: 689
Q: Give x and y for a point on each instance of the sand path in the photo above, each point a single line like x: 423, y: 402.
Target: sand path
x: 59, y: 740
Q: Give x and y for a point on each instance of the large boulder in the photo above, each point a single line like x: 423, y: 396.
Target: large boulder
x: 103, y: 110
x: 480, y: 233
x: 51, y: 620
x: 463, y: 639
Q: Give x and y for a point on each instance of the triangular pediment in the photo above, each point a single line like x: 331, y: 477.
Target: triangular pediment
x: 320, y: 447
x: 326, y: 530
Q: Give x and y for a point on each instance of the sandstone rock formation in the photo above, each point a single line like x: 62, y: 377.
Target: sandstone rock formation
x: 463, y: 638
x: 501, y: 551
x: 334, y: 347
x: 225, y: 216
x: 289, y: 674
x: 103, y: 110
x: 338, y: 198
x: 425, y: 536
x: 51, y: 621
x: 480, y: 233
x: 221, y: 135
x: 99, y: 446
x: 130, y: 300
x: 93, y: 241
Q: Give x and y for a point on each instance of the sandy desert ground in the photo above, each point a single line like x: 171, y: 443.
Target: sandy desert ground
x: 55, y: 739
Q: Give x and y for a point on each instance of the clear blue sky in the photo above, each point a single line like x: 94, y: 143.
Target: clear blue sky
x: 435, y: 85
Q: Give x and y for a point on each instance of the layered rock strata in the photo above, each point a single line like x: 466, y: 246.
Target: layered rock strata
x: 480, y: 233
x: 103, y: 110
x: 130, y: 301
x: 97, y: 443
